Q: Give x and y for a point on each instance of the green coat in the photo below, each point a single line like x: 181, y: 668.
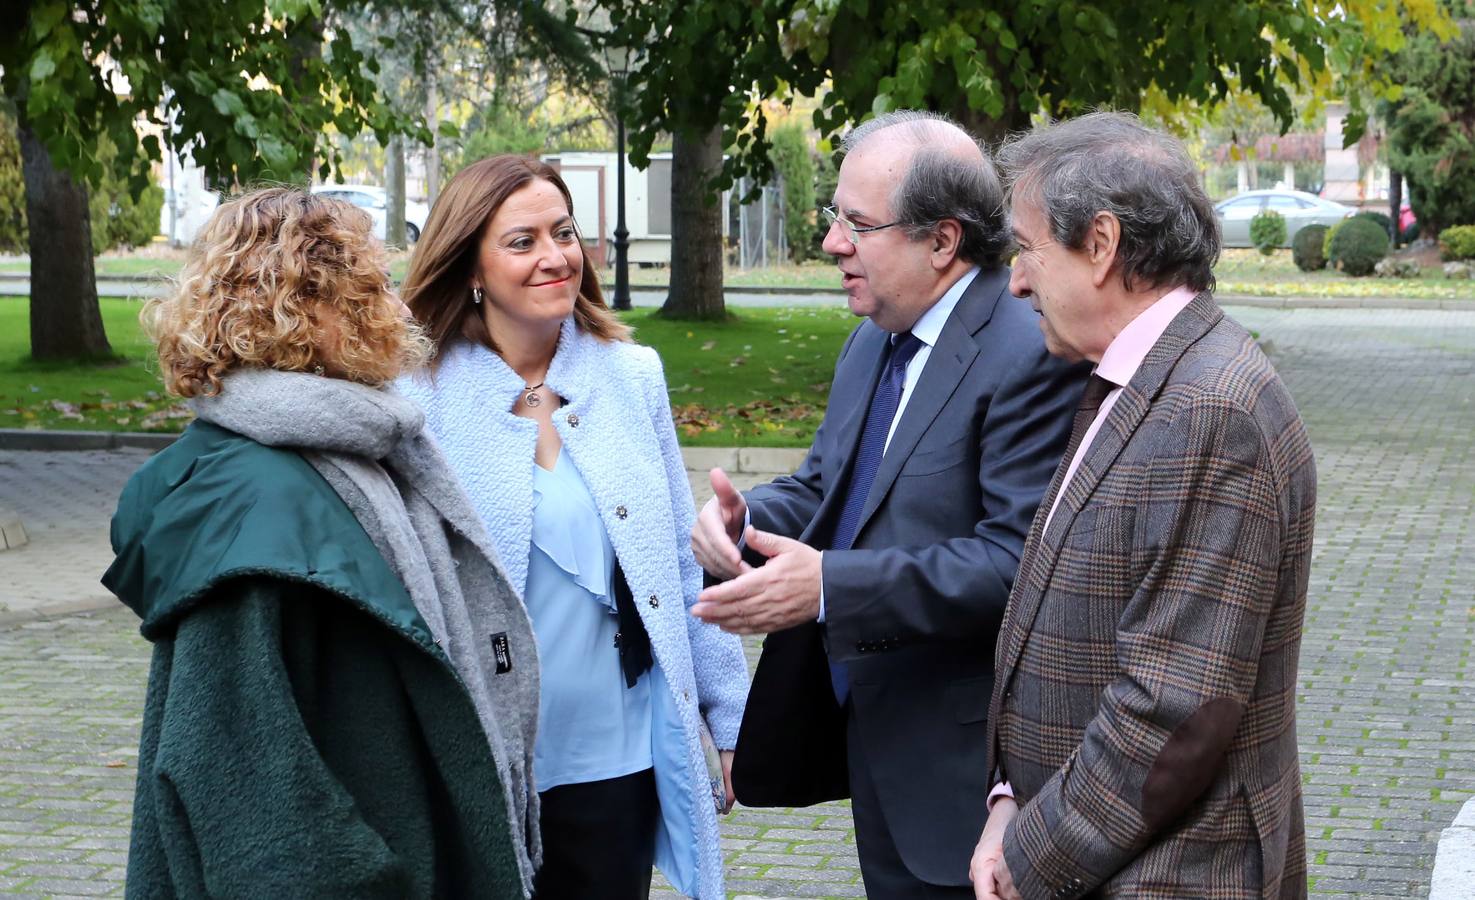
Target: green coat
x: 303, y: 735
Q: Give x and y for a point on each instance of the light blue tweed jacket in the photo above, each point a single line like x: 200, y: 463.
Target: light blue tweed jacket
x: 616, y: 426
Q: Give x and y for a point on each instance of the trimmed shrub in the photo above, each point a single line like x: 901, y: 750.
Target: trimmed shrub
x: 1381, y: 219
x: 1457, y: 242
x: 1308, y: 248
x: 795, y: 165
x: 12, y: 190
x: 1358, y: 245
x: 1267, y: 231
x: 1326, y: 243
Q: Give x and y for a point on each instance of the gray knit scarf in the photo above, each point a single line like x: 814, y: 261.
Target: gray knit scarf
x: 370, y: 445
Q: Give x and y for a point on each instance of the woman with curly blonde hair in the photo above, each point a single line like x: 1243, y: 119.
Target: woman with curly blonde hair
x: 344, y: 686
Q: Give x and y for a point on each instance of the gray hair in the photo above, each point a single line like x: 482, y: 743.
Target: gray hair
x: 941, y: 183
x: 1111, y: 162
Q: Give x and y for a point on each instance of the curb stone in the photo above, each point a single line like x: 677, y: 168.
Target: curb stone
x: 58, y: 610
x: 36, y: 439
x: 1454, y: 861
x: 697, y: 459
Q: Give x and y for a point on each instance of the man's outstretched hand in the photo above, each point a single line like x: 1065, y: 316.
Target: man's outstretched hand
x: 715, y: 535
x: 780, y: 594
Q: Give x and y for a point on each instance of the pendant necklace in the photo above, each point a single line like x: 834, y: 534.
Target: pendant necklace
x: 531, y: 398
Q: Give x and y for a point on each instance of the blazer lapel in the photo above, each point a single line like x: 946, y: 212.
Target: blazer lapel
x: 1131, y: 407
x: 870, y: 342
x: 948, y: 363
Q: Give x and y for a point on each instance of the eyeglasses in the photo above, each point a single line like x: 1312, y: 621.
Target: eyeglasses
x: 852, y: 230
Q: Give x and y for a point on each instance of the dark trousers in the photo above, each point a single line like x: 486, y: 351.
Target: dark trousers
x: 881, y: 867
x: 599, y: 839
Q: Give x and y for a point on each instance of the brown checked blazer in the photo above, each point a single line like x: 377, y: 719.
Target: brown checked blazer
x: 1145, y: 685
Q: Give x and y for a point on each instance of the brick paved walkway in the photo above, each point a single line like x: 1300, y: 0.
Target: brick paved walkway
x: 1387, y: 715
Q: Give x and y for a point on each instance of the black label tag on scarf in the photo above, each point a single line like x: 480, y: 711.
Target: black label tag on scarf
x: 503, y: 650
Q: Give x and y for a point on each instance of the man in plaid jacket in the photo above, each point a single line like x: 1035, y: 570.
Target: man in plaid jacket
x: 1142, y: 734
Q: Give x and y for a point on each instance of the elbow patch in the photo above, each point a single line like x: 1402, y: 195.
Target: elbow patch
x: 1189, y: 761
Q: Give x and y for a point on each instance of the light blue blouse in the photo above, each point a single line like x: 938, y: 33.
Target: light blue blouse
x: 590, y: 725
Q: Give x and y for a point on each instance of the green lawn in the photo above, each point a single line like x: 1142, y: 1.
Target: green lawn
x: 111, y: 266
x: 122, y: 396
x: 1238, y: 272
x: 1248, y: 272
x: 756, y: 380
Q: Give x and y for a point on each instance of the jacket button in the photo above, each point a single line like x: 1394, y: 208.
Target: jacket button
x: 655, y: 602
x: 621, y: 512
x: 617, y: 639
x: 573, y: 420
x: 686, y: 695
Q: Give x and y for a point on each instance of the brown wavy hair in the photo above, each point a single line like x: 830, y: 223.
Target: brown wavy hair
x: 438, y: 284
x: 283, y: 279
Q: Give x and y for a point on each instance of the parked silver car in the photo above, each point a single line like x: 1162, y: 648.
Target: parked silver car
x: 1297, y: 207
x: 375, y: 201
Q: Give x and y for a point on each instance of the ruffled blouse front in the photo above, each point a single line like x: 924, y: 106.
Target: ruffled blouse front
x: 591, y: 727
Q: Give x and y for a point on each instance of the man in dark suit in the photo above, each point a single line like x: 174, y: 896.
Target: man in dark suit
x: 880, y: 569
x: 1143, y: 726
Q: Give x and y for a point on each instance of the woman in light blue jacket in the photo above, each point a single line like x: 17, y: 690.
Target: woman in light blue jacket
x: 560, y: 431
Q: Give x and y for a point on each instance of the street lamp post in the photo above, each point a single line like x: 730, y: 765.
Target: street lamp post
x: 618, y: 60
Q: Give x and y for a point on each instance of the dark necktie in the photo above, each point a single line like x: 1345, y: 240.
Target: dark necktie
x: 1091, y: 399
x: 868, y: 455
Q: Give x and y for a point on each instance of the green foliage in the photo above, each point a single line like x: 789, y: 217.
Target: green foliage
x: 1358, y: 245
x: 993, y: 65
x: 1307, y: 248
x: 1326, y: 243
x: 1377, y: 218
x: 826, y: 178
x: 498, y: 130
x: 1268, y: 231
x: 1431, y: 130
x: 120, y: 220
x: 1457, y: 242
x: 251, y: 93
x: 12, y: 189
x: 795, y: 164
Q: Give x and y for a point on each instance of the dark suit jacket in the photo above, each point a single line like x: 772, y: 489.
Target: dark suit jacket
x: 1144, y: 710
x: 914, y: 607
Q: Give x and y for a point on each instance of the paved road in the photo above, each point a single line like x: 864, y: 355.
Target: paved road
x: 1387, y: 715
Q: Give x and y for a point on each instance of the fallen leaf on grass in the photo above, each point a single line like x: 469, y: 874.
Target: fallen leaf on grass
x: 709, y: 345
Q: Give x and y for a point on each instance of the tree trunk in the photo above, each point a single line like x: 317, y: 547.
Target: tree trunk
x: 991, y: 131
x: 432, y: 153
x: 65, y: 319
x: 1395, y: 205
x: 696, y: 229
x: 394, y: 184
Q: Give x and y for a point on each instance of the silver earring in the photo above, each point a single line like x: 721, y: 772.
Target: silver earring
x: 476, y: 296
